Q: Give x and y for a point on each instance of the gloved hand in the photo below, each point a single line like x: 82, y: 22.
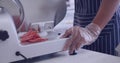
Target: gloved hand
x: 79, y: 36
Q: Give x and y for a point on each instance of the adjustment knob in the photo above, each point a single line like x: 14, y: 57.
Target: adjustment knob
x: 3, y: 35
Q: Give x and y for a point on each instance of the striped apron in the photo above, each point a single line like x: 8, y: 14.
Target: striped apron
x: 85, y: 11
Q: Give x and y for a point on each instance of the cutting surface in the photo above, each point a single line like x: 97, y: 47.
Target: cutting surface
x: 83, y: 56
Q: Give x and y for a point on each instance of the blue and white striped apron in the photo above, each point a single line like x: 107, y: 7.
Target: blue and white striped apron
x: 85, y: 11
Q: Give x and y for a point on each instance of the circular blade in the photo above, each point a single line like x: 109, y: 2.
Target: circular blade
x: 15, y: 9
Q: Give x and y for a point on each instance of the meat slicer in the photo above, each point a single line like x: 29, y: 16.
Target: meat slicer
x: 35, y: 12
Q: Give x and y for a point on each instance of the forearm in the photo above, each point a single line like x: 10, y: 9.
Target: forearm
x: 105, y: 13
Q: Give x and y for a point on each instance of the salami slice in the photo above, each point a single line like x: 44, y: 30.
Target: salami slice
x: 32, y: 37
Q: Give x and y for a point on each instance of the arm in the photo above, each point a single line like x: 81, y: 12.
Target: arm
x: 86, y: 36
x: 105, y: 13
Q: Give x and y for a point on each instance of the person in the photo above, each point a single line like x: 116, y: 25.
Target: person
x: 96, y: 26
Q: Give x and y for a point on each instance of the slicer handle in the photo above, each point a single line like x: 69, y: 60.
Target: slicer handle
x: 3, y: 35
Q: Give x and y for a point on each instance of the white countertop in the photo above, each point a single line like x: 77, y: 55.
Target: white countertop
x: 83, y: 56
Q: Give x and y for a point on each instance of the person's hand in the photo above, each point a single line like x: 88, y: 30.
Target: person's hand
x: 79, y: 36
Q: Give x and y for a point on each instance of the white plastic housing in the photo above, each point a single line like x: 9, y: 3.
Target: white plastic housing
x: 9, y: 47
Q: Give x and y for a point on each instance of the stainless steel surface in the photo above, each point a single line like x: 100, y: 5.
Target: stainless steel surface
x: 61, y: 12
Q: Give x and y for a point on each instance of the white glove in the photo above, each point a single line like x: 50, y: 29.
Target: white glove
x: 79, y: 36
